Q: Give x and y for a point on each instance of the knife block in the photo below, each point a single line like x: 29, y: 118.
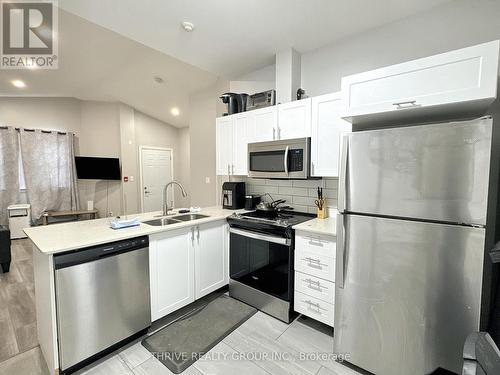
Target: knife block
x: 322, y: 213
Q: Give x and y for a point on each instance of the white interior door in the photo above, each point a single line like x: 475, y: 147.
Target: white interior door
x: 156, y: 166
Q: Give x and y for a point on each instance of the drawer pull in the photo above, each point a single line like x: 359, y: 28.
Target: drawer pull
x: 314, y: 284
x: 407, y: 104
x: 314, y: 262
x: 316, y: 305
x: 315, y: 243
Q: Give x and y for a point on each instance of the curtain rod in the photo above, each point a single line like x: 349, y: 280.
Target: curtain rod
x: 32, y: 130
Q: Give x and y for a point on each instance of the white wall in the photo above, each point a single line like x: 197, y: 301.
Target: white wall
x: 61, y: 114
x: 99, y: 136
x: 104, y: 129
x: 455, y: 25
x: 205, y: 106
x: 152, y: 132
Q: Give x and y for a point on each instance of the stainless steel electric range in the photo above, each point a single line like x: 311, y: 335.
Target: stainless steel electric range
x: 261, y: 260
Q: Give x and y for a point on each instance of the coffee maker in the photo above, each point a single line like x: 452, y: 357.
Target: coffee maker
x: 236, y: 103
x: 233, y: 195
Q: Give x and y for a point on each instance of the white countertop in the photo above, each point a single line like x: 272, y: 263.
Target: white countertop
x: 57, y: 238
x: 319, y: 226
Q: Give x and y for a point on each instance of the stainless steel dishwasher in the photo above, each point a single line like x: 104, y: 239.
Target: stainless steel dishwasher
x: 102, y: 299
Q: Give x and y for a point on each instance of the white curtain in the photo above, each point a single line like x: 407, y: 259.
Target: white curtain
x: 9, y: 171
x: 49, y: 170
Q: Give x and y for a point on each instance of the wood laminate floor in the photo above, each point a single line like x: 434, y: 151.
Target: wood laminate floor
x: 17, y: 303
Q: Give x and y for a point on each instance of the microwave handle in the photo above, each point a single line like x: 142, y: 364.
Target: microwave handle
x: 286, y: 160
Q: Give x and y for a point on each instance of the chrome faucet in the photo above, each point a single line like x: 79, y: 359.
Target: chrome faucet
x: 165, y: 204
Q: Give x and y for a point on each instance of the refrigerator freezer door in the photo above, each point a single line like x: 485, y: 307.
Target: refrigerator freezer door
x: 410, y: 295
x: 436, y: 172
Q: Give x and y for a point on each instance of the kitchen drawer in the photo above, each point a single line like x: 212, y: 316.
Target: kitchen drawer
x: 314, y: 308
x: 315, y: 244
x: 315, y: 287
x: 316, y: 265
x: 464, y: 79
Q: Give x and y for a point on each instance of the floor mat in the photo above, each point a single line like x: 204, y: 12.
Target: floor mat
x: 183, y: 342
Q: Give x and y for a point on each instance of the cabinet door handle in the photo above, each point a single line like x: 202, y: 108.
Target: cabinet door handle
x: 279, y: 132
x: 228, y: 169
x: 198, y: 234
x: 312, y: 167
x: 192, y: 235
x: 407, y: 104
x: 274, y: 133
x: 233, y: 168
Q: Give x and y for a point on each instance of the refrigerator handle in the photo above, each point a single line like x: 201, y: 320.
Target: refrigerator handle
x: 340, y: 259
x: 343, y: 175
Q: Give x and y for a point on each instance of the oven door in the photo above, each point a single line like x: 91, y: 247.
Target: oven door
x: 279, y: 159
x: 263, y: 262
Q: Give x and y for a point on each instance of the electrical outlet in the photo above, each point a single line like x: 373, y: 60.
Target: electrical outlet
x: 207, y: 180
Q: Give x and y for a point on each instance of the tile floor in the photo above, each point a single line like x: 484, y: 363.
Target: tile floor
x: 247, y: 350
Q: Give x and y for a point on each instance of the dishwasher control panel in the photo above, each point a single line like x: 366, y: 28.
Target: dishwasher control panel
x: 89, y: 254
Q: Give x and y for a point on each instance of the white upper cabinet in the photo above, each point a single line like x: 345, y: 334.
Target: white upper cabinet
x: 294, y: 119
x: 224, y: 145
x: 211, y: 258
x: 265, y: 124
x: 464, y: 80
x: 242, y: 135
x: 327, y: 128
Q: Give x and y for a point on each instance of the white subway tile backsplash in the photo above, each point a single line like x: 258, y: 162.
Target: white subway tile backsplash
x: 306, y: 201
x: 300, y: 194
x: 327, y: 193
x: 279, y: 182
x: 308, y: 183
x: 331, y: 183
x: 293, y: 191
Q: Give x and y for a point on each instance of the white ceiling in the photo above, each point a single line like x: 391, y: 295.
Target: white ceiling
x: 111, y: 49
x: 98, y: 64
x: 233, y: 37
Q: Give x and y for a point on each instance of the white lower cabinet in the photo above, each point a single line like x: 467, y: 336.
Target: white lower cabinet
x: 211, y: 257
x: 171, y: 267
x: 187, y: 264
x: 314, y: 308
x: 314, y: 294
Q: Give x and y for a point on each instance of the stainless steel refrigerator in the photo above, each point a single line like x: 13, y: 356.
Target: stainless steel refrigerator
x: 416, y: 210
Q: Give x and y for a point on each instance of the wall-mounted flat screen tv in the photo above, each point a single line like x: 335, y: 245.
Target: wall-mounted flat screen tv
x: 90, y: 168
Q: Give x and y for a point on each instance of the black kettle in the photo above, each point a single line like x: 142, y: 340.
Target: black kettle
x: 236, y: 103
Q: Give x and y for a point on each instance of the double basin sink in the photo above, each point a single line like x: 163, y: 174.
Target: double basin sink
x: 174, y: 220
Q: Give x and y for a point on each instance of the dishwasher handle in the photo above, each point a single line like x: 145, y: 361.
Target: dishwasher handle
x: 93, y: 253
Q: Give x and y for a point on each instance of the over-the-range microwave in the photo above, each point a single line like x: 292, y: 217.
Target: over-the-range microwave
x: 285, y: 159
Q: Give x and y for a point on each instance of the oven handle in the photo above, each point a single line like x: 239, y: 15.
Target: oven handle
x: 286, y: 160
x: 263, y: 237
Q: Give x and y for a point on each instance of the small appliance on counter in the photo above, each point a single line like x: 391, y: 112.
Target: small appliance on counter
x: 251, y: 201
x: 236, y: 103
x: 233, y: 195
x: 261, y: 100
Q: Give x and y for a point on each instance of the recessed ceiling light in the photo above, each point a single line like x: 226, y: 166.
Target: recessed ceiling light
x: 175, y: 111
x: 18, y: 83
x: 158, y: 79
x: 187, y: 26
